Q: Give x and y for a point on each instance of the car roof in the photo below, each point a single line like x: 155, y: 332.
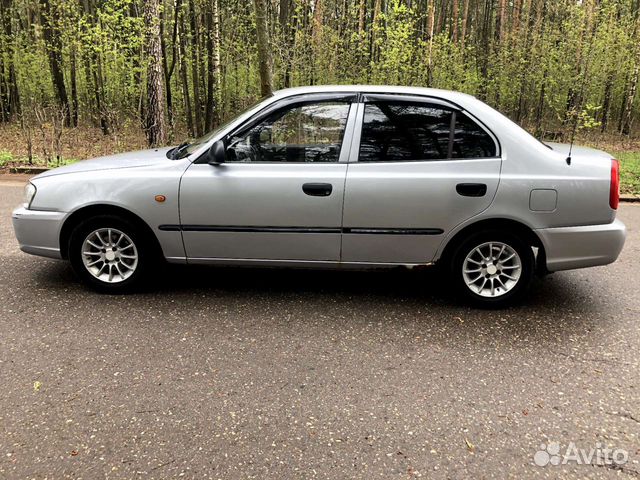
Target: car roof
x: 393, y: 89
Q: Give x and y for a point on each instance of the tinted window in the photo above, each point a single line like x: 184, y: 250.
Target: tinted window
x: 404, y: 131
x: 300, y: 133
x: 399, y: 132
x: 471, y: 141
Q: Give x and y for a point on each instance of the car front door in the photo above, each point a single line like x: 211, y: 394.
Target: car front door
x: 423, y: 166
x: 279, y: 193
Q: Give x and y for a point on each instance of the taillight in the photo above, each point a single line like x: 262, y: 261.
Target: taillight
x: 614, y: 192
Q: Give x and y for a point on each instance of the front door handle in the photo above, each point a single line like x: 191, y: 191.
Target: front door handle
x: 317, y: 189
x: 471, y: 189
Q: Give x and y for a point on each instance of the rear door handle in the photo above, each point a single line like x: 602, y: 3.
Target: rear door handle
x: 471, y: 189
x: 317, y: 189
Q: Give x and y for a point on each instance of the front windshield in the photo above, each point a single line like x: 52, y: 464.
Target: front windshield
x: 187, y: 148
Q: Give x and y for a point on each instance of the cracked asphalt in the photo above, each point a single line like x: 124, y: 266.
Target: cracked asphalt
x: 258, y: 373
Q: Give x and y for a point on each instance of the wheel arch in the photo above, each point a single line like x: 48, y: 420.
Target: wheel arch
x: 523, y: 231
x: 86, y: 212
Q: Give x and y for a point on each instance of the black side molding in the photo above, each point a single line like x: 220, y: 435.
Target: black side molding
x: 249, y: 229
x: 356, y: 230
x: 394, y: 231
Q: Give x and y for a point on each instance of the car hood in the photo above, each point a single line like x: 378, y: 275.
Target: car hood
x: 121, y: 160
x: 563, y: 148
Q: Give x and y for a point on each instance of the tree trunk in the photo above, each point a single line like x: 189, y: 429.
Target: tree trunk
x: 627, y: 116
x: 98, y: 80
x: 444, y: 4
x: 13, y: 100
x: 155, y: 125
x: 540, y: 107
x: 93, y: 64
x: 361, y: 16
x: 454, y: 22
x: 165, y: 71
x: 465, y: 20
x: 528, y: 25
x: 606, y: 103
x: 264, y: 52
x: 195, y: 72
x: 630, y: 93
x: 485, y: 44
x: 184, y: 77
x: 517, y: 8
x: 288, y: 37
x: 74, y: 86
x: 430, y: 27
x: 213, y: 63
x: 53, y: 43
x: 500, y: 27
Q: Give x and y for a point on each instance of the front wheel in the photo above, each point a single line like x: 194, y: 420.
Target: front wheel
x: 492, y: 268
x: 108, y: 254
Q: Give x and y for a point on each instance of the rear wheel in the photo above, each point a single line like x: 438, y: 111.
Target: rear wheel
x: 492, y: 268
x: 109, y: 254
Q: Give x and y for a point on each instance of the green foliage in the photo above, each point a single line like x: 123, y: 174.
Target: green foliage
x: 629, y: 172
x: 554, y: 58
x: 5, y: 157
x: 587, y: 117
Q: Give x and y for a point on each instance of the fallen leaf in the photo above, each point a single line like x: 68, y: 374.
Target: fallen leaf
x: 37, y: 386
x: 470, y: 446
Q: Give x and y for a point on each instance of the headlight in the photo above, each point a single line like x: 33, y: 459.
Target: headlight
x: 29, y: 193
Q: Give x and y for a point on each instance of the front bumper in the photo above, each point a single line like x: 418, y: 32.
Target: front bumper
x: 38, y: 232
x: 567, y: 248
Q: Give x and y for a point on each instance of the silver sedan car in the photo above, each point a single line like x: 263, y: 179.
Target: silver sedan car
x: 338, y: 176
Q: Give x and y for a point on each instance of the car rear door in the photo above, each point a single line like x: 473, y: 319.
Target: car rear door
x: 419, y: 167
x: 279, y: 194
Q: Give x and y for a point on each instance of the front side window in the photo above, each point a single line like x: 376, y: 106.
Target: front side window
x: 417, y: 131
x: 310, y: 132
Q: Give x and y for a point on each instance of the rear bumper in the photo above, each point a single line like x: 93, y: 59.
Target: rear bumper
x: 38, y: 232
x: 567, y: 248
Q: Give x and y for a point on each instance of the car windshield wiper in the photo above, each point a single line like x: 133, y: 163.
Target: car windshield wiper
x: 175, y: 151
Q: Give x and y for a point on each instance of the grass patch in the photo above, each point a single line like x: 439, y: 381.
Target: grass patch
x: 629, y: 172
x: 5, y: 157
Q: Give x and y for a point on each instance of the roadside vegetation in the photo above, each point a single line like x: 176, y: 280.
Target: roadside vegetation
x: 629, y: 172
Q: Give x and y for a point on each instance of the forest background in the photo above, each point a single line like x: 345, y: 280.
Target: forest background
x: 82, y: 78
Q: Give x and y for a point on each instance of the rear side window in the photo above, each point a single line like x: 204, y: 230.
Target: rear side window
x: 406, y: 131
x: 401, y: 132
x: 470, y: 140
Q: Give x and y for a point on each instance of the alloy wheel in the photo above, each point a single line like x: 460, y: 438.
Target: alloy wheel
x: 492, y: 269
x: 109, y: 255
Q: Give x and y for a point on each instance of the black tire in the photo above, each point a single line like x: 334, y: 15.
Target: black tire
x: 142, y: 245
x: 527, y: 263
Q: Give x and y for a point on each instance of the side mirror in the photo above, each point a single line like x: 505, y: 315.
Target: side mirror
x: 216, y: 154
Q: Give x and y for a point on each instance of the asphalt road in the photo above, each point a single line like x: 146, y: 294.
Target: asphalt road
x: 231, y: 373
